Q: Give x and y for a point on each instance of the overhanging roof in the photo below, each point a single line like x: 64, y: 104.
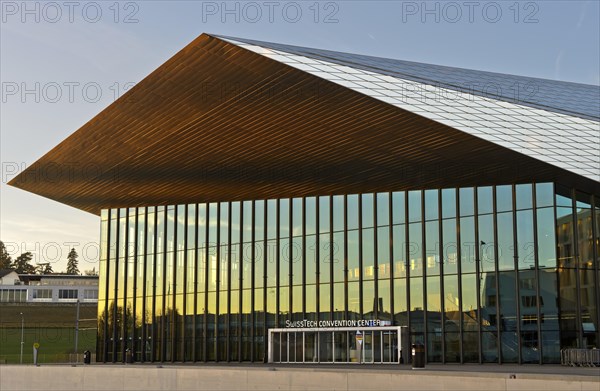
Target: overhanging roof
x: 220, y: 122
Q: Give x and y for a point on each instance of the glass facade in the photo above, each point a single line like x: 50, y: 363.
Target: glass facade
x: 504, y: 274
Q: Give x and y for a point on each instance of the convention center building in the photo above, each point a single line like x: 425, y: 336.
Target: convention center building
x: 268, y: 203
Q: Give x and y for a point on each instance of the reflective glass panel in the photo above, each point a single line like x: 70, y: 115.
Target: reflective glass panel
x: 450, y: 246
x: 563, y: 196
x: 485, y: 200
x: 432, y: 248
x: 383, y: 252
x: 324, y: 214
x: 311, y: 301
x: 338, y: 256
x: 325, y: 252
x: 369, y: 302
x: 235, y: 222
x: 368, y: 254
x: 415, y: 251
x: 338, y: 213
x: 434, y: 303
x: 399, y: 238
x: 414, y: 206
x: 544, y: 194
x: 417, y: 315
x: 384, y: 300
x: 311, y: 215
x: 353, y: 257
x: 504, y: 198
x: 383, y: 209
x: 524, y: 196
x: 400, y: 302
x: 247, y: 223
x: 467, y: 201
x: 546, y: 237
x: 584, y: 232
x: 506, y: 250
x: 467, y: 245
x: 271, y: 219
x: 508, y: 317
x: 353, y: 300
x: 589, y: 306
x: 352, y: 211
x: 284, y: 218
x: 431, y: 204
x: 311, y: 259
x: 565, y: 236
x: 486, y: 244
x: 367, y: 210
x: 297, y: 219
x: 339, y: 301
x: 451, y: 300
x: 448, y: 203
x: 398, y: 207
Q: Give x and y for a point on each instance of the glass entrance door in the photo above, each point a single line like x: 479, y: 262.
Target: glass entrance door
x: 373, y: 345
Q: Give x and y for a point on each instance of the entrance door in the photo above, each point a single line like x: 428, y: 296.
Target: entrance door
x: 340, y: 346
x: 310, y: 347
x: 371, y: 345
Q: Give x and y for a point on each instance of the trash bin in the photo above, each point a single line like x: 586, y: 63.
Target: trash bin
x: 87, y: 357
x: 128, y: 356
x: 418, y: 356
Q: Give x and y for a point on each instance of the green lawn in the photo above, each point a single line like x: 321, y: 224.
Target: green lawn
x: 52, y: 326
x: 56, y: 343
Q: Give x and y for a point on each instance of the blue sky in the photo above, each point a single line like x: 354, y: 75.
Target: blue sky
x: 62, y: 63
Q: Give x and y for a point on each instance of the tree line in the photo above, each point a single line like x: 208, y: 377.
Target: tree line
x: 22, y: 264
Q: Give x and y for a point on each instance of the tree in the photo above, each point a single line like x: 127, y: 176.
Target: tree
x: 45, y: 268
x: 92, y: 272
x: 5, y: 259
x: 72, y: 262
x: 22, y: 264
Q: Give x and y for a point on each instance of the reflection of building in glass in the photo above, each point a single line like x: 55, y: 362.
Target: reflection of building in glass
x: 244, y: 185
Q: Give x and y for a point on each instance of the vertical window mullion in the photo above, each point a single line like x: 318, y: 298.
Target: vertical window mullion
x: 196, y: 262
x: 345, y: 214
x: 441, y: 261
x: 497, y: 276
x: 424, y: 268
x: 577, y: 268
x: 391, y: 257
x: 478, y: 275
x: 459, y: 276
x: 375, y: 260
x: 516, y: 273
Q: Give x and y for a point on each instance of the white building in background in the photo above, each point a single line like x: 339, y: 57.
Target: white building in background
x: 50, y: 288
x: 9, y: 277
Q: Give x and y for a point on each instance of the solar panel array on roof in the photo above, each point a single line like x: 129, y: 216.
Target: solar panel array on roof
x: 562, y: 128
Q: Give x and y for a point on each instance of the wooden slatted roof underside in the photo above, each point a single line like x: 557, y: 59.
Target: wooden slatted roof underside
x: 219, y: 123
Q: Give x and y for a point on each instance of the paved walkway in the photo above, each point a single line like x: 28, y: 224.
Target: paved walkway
x: 465, y: 369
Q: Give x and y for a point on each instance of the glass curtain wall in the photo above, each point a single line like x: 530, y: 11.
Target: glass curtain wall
x: 504, y: 274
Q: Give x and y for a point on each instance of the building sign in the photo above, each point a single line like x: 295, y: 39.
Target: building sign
x: 336, y: 323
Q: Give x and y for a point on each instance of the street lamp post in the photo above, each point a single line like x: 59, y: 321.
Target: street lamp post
x: 77, y: 330
x: 22, y: 334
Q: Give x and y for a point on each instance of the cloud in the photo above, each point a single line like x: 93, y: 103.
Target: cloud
x: 558, y: 63
x: 582, y: 15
